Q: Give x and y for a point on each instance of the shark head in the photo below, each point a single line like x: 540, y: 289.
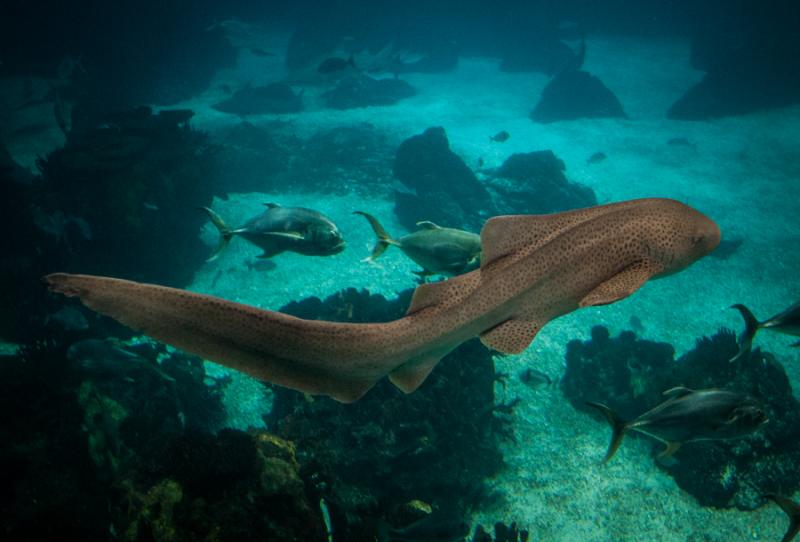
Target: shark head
x: 682, y: 235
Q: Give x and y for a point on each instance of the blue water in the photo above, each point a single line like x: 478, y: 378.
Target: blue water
x: 740, y: 169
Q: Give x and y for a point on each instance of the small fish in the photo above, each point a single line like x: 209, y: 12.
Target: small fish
x: 500, y: 137
x: 106, y: 359
x: 534, y: 379
x: 261, y: 52
x: 688, y: 416
x: 786, y: 322
x: 279, y: 229
x: 792, y: 510
x: 442, y: 251
x: 596, y: 158
x: 335, y: 65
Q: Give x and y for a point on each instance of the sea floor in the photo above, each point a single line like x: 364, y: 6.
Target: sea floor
x: 741, y: 171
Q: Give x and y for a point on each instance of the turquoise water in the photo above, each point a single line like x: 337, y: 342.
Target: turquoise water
x: 740, y: 170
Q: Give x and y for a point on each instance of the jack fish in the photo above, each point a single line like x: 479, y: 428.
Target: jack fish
x: 787, y: 322
x: 278, y: 229
x: 534, y: 268
x: 688, y: 416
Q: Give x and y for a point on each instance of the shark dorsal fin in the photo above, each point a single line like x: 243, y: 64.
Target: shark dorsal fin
x: 505, y: 235
x: 512, y: 336
x: 428, y: 225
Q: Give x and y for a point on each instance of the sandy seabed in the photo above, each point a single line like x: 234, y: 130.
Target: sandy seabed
x: 741, y: 171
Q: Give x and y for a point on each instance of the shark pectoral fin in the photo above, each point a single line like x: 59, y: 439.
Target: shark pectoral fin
x: 410, y: 376
x: 619, y: 286
x: 511, y: 337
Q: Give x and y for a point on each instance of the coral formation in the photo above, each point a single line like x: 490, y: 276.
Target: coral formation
x: 629, y: 375
x: 435, y: 445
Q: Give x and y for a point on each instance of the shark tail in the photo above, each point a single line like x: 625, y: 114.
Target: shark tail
x: 792, y: 510
x: 618, y: 428
x: 751, y: 326
x: 225, y: 232
x: 384, y: 239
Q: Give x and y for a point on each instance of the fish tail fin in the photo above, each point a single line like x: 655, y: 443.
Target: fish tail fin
x: 751, y: 326
x: 618, y: 428
x: 225, y: 232
x: 384, y: 239
x: 792, y: 510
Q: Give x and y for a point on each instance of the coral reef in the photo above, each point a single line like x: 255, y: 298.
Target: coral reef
x: 435, y: 445
x: 629, y: 375
x: 133, y: 456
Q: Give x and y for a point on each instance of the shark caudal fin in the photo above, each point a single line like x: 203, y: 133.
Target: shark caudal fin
x: 384, y: 239
x: 792, y: 510
x: 751, y: 327
x: 225, y: 233
x: 618, y: 428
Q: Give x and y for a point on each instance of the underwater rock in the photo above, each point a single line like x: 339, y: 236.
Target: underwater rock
x: 534, y: 182
x: 447, y: 191
x: 363, y: 91
x: 272, y: 98
x: 630, y: 375
x: 502, y: 533
x: 436, y: 445
x: 575, y: 95
x: 136, y: 182
x: 748, y: 55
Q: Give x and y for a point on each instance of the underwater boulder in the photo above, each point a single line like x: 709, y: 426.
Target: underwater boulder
x: 272, y: 98
x: 576, y: 95
x: 441, y: 180
x: 363, y: 91
x: 535, y: 182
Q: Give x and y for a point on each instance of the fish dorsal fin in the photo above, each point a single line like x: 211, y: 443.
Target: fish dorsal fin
x: 428, y: 225
x: 446, y: 291
x: 619, y: 286
x: 677, y: 391
x: 271, y: 205
x: 512, y: 336
x: 410, y: 376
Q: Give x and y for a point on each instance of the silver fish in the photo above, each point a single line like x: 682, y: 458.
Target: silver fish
x: 688, y: 416
x: 786, y: 322
x: 279, y: 229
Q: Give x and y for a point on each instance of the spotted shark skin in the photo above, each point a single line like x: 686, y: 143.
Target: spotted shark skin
x: 534, y: 268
